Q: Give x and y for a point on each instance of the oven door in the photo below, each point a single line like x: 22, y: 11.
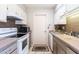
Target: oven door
x: 22, y: 44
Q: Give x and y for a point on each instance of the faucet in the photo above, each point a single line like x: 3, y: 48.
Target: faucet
x: 71, y: 33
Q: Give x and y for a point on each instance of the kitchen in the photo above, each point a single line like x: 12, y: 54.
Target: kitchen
x: 39, y: 28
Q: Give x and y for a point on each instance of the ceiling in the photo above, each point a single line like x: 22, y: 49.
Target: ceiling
x: 40, y: 5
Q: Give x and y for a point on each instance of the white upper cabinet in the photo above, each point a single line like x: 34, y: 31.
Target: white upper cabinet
x: 71, y: 7
x: 62, y: 20
x: 3, y: 13
x: 24, y: 18
x: 24, y: 15
x: 64, y: 10
x: 12, y: 10
x: 17, y: 11
x: 59, y: 15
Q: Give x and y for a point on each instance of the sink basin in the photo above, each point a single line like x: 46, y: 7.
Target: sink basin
x: 66, y: 36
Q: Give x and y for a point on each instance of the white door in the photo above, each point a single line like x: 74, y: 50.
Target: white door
x: 40, y: 24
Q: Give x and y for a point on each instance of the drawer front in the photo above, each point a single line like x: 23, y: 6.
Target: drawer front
x: 10, y: 49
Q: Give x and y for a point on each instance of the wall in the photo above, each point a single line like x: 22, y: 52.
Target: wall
x: 31, y: 11
x: 30, y: 15
x: 73, y: 23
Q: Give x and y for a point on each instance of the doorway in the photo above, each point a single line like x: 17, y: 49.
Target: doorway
x: 40, y: 26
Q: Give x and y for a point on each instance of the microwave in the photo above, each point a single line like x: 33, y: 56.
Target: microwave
x: 23, y: 29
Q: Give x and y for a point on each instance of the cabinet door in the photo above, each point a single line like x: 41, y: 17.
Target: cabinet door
x: 60, y: 49
x: 54, y: 46
x: 19, y: 12
x: 59, y: 15
x: 22, y: 15
x: 12, y: 9
x: 70, y: 7
x: 69, y: 51
x: 50, y: 40
x: 63, y: 20
x: 24, y: 18
x: 3, y: 13
x: 56, y: 18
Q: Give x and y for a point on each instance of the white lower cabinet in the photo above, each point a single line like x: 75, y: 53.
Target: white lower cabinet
x: 69, y: 51
x: 11, y: 49
x: 61, y: 48
x: 58, y: 48
x: 50, y: 41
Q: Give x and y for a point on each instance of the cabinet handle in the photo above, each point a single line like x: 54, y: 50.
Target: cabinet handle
x: 7, y: 8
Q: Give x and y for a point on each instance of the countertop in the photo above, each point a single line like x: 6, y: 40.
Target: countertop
x: 6, y: 42
x: 69, y: 41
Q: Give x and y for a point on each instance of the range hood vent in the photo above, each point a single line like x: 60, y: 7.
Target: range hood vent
x: 13, y: 18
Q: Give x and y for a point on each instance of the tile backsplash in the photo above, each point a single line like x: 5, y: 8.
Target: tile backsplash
x: 9, y: 23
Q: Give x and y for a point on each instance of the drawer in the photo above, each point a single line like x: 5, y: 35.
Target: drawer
x: 10, y: 49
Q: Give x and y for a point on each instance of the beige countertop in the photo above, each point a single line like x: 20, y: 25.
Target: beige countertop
x: 6, y: 42
x: 70, y: 41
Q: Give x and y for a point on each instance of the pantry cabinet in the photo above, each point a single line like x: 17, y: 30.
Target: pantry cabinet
x: 59, y: 15
x: 3, y: 13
